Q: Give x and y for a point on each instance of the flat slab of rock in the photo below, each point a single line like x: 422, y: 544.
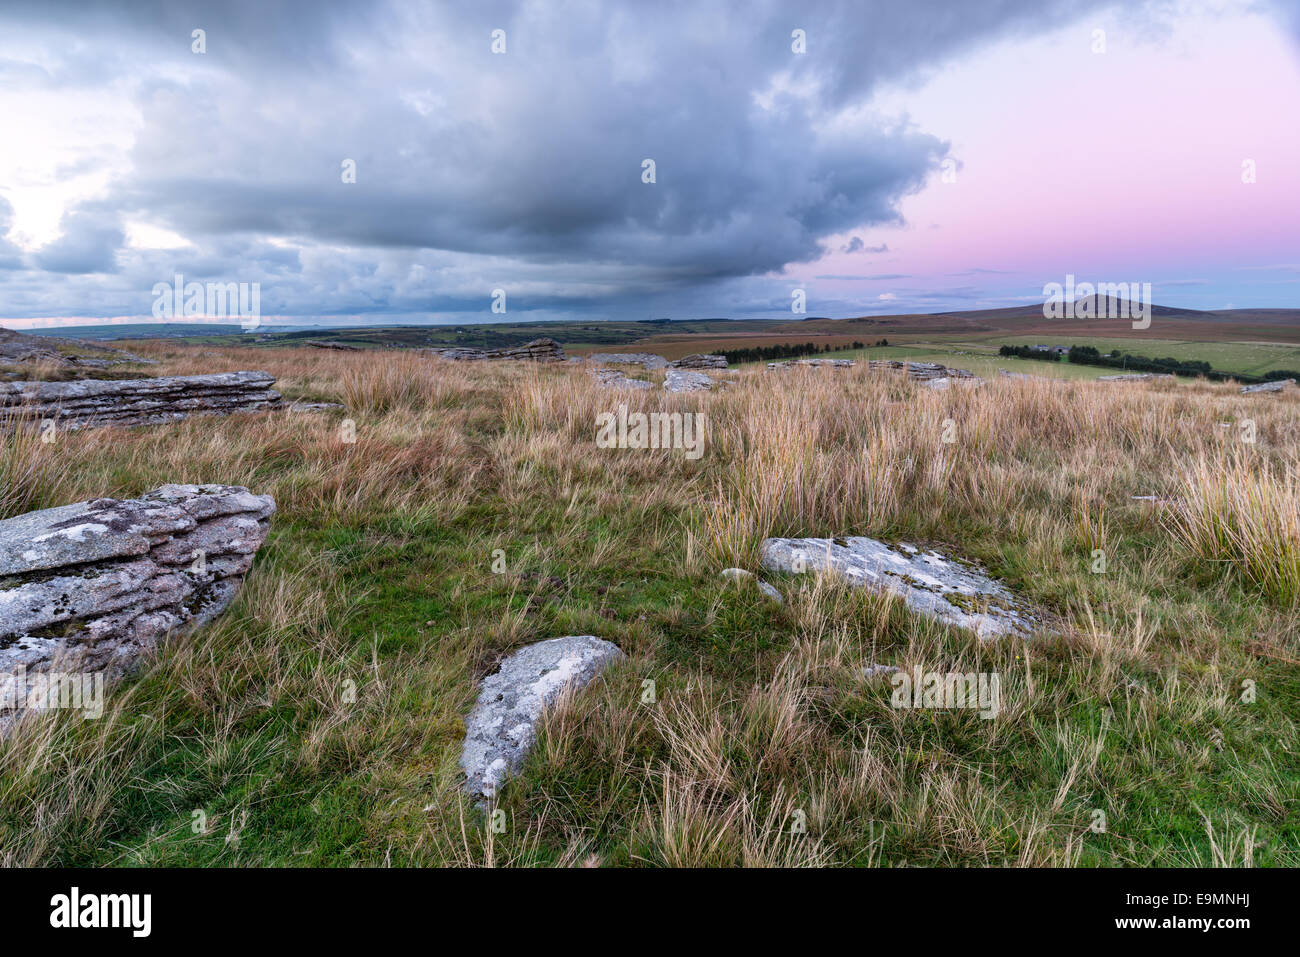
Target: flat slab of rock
x: 953, y: 592
x: 619, y: 380
x: 686, y: 380
x: 1277, y: 385
x: 1136, y: 377
x: 647, y: 360
x: 815, y: 363
x: 945, y: 382
x: 94, y: 402
x: 917, y: 371
x: 544, y: 349
x: 92, y: 586
x: 920, y: 371
x: 500, y: 731
x: 699, y: 360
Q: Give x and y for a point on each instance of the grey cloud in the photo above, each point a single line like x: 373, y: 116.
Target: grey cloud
x: 477, y: 170
x: 856, y: 245
x: 10, y: 255
x: 89, y: 243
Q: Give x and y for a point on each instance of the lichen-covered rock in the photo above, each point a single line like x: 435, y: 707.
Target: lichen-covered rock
x: 647, y: 360
x: 90, y: 587
x: 686, y: 380
x: 951, y: 591
x: 1135, y: 377
x: 699, y: 360
x: 740, y: 575
x: 921, y: 371
x: 501, y: 728
x: 538, y: 350
x: 93, y: 402
x: 814, y: 363
x: 616, y: 379
x: 945, y: 382
x: 1277, y: 385
x: 917, y: 371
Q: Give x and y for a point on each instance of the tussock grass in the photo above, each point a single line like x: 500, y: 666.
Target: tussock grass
x: 1245, y: 512
x: 319, y: 721
x: 24, y: 470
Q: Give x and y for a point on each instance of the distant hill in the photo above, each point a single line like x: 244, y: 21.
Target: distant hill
x: 1167, y: 322
x: 1274, y: 324
x: 142, y: 330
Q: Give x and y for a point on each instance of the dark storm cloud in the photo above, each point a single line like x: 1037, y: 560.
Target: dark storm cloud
x: 522, y: 170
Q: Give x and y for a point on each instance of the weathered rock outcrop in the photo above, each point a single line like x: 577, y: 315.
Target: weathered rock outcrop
x: 647, y: 360
x: 93, y: 402
x: 951, y: 591
x: 921, y: 371
x: 918, y: 371
x: 500, y: 730
x: 944, y: 382
x: 686, y: 380
x: 20, y: 347
x: 815, y: 363
x: 620, y: 380
x: 1277, y: 385
x: 1135, y: 377
x: 699, y: 360
x: 538, y: 350
x: 90, y: 587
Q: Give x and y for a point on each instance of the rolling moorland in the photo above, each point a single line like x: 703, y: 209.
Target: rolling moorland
x: 1242, y: 340
x: 1163, y: 691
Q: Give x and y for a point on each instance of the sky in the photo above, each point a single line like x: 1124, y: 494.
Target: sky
x: 872, y: 157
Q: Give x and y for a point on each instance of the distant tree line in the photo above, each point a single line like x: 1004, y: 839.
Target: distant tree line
x: 1027, y: 352
x: 787, y: 351
x: 1089, y: 355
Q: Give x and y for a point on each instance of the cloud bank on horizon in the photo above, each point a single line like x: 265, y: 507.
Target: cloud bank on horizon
x: 882, y: 157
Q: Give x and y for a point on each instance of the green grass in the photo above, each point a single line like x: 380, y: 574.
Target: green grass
x: 981, y: 361
x: 980, y: 355
x: 1250, y: 358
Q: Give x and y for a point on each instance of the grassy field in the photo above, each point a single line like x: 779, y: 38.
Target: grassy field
x: 981, y: 355
x: 1252, y: 358
x: 980, y: 360
x: 1156, y: 725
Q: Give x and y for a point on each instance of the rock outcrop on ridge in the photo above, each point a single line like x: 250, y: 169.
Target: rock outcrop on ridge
x: 699, y: 360
x: 19, y: 347
x: 538, y: 350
